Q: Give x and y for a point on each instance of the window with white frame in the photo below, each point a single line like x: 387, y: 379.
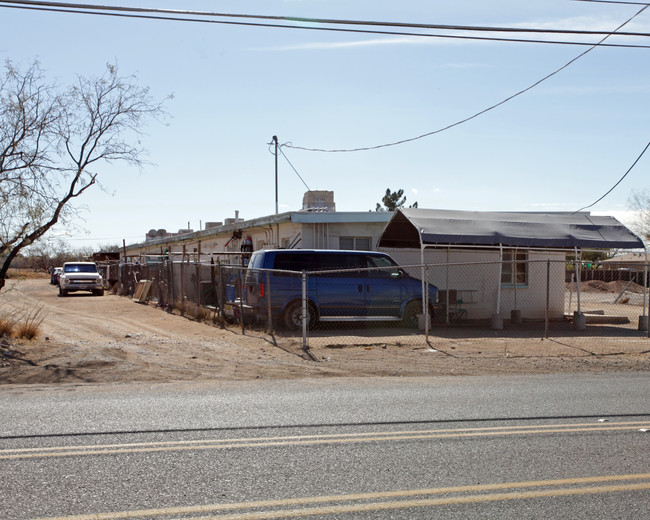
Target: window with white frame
x: 355, y: 243
x: 514, y: 269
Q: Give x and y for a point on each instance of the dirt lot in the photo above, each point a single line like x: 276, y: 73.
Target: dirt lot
x: 88, y: 339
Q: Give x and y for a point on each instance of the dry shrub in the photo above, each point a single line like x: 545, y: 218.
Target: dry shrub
x: 7, y: 325
x: 29, y: 325
x: 191, y: 309
x: 180, y: 306
x: 8, y: 321
x: 196, y: 311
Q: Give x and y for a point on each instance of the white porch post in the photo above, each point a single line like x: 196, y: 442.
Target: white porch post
x: 497, y: 321
x: 579, y: 320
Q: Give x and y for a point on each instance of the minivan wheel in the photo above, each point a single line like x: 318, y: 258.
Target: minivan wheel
x: 293, y: 316
x: 410, y: 316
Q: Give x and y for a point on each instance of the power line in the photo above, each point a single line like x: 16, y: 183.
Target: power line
x: 156, y: 14
x: 296, y: 171
x: 477, y: 114
x: 619, y: 181
x: 612, y: 2
x: 331, y: 21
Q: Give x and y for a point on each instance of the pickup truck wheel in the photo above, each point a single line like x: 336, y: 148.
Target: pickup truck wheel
x: 62, y: 292
x: 293, y: 316
x: 99, y: 292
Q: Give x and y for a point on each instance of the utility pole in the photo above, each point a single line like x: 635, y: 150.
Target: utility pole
x: 277, y: 224
x: 275, y: 142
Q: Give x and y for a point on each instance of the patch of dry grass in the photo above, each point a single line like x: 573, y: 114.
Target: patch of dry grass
x: 24, y: 324
x: 7, y: 325
x: 29, y: 325
x: 26, y: 274
x: 191, y: 309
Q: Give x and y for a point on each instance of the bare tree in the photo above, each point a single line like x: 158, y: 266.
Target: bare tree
x: 639, y: 201
x: 53, y: 139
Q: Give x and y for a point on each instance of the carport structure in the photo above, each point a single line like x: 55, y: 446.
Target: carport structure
x: 501, y: 238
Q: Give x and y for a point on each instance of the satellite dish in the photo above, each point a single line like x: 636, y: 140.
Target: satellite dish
x: 162, y: 232
x: 152, y: 233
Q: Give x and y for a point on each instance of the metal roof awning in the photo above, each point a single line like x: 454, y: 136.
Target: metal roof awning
x: 416, y: 228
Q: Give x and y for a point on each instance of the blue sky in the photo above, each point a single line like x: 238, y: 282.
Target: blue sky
x: 558, y: 147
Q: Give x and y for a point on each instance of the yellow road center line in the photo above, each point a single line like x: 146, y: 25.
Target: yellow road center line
x: 305, y: 501
x: 383, y: 506
x: 296, y: 441
x: 327, y: 436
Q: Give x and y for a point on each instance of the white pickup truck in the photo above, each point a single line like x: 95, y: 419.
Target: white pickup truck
x: 80, y: 276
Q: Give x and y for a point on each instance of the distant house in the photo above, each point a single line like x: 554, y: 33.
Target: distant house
x: 634, y: 261
x: 501, y: 260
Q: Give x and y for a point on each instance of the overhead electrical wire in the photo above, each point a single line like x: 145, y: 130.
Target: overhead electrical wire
x: 477, y: 114
x: 612, y: 2
x: 619, y: 181
x: 333, y: 21
x: 180, y: 15
x: 293, y: 168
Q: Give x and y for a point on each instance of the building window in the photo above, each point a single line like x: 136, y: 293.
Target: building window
x: 514, y: 270
x: 355, y: 243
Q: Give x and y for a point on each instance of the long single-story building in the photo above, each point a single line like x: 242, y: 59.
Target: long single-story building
x: 317, y: 226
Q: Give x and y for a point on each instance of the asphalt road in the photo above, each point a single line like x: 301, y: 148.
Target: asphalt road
x: 553, y: 446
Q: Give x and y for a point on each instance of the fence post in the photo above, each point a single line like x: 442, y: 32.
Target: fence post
x: 268, y: 301
x: 198, y: 275
x: 170, y: 303
x: 548, y: 296
x: 182, y: 298
x: 304, y: 310
x: 427, y: 318
x: 220, y: 292
x: 198, y: 283
x: 241, y: 300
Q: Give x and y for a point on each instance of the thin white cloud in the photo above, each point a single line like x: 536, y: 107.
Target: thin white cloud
x: 348, y: 44
x: 587, y: 23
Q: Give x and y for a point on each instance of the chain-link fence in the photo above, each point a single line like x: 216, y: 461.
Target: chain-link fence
x: 474, y: 301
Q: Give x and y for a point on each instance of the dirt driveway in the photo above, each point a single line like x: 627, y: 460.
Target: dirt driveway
x: 89, y: 339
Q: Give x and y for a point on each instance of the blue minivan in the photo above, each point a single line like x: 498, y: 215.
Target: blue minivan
x: 341, y: 286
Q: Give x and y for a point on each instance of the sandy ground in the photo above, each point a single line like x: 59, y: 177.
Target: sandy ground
x: 112, y: 339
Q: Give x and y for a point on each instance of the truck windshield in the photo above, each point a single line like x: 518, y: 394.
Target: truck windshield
x: 80, y: 268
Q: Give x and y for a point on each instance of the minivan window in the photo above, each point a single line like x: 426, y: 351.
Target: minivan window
x: 257, y: 261
x: 385, y: 263
x: 334, y: 261
x: 294, y: 262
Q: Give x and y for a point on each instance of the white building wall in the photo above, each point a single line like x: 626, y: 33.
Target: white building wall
x: 475, y: 275
x: 327, y: 235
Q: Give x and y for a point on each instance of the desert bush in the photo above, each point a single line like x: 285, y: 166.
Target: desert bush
x: 7, y: 325
x: 192, y: 310
x: 29, y: 325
